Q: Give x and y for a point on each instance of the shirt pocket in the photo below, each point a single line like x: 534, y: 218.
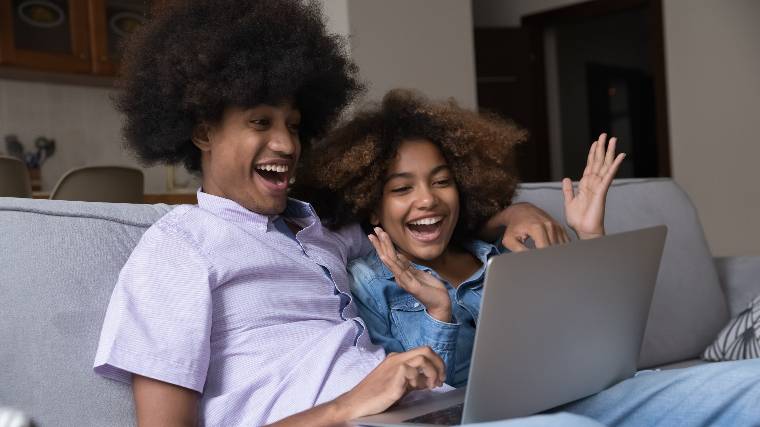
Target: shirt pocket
x: 406, y: 316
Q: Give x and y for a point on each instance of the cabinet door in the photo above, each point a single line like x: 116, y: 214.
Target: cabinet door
x: 45, y: 35
x: 112, y: 22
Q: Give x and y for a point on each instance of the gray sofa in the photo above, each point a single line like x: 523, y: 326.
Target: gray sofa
x: 60, y: 260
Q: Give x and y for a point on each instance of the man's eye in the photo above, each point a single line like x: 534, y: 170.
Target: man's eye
x: 260, y: 122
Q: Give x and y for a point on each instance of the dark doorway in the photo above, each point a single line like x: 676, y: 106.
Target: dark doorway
x: 606, y: 60
x: 620, y: 102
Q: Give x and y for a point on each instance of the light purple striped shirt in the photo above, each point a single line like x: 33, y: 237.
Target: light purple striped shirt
x: 214, y: 298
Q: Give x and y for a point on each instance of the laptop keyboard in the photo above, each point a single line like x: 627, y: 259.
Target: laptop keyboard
x: 449, y: 416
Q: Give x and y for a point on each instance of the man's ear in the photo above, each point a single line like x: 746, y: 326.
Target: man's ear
x: 202, y: 137
x: 374, y: 219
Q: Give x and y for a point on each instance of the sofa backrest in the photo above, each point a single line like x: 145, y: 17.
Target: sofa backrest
x: 59, y: 261
x: 688, y: 308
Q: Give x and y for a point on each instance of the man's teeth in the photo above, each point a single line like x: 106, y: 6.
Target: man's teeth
x: 273, y: 168
x: 427, y: 221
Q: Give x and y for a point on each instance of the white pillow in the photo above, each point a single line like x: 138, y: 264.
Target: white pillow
x: 740, y: 339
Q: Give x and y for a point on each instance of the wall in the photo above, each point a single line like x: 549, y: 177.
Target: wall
x: 80, y: 119
x: 712, y: 62
x: 423, y: 44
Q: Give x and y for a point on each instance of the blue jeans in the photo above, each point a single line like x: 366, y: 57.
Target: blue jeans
x: 713, y: 394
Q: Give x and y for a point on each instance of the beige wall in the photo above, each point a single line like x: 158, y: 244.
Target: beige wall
x: 81, y: 120
x: 712, y: 50
x: 422, y: 44
x: 713, y: 72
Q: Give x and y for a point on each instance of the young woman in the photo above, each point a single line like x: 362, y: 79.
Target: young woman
x: 439, y: 172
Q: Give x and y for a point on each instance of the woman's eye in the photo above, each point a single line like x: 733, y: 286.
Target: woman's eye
x: 442, y: 183
x: 399, y: 189
x: 294, y: 127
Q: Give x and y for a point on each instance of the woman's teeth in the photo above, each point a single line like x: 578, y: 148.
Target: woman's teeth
x: 426, y: 221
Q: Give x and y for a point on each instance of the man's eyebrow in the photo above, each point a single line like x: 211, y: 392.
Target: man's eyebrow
x: 409, y: 175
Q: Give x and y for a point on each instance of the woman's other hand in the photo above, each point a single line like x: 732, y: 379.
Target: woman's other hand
x: 430, y: 291
x: 584, y: 210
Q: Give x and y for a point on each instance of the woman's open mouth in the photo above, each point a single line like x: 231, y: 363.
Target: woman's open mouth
x: 426, y: 229
x: 274, y: 176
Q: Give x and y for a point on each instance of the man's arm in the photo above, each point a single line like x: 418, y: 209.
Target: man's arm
x: 158, y: 403
x: 398, y: 374
x: 523, y: 220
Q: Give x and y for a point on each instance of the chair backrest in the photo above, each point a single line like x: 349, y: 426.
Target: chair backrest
x: 115, y: 184
x: 14, y: 178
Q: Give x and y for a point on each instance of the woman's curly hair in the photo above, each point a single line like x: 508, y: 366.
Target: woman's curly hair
x: 195, y: 58
x: 344, y: 174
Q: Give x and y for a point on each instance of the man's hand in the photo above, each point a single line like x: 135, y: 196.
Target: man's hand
x: 584, y: 210
x: 430, y: 291
x: 400, y: 373
x: 523, y: 221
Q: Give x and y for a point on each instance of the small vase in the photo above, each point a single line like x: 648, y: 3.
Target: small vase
x: 36, y: 178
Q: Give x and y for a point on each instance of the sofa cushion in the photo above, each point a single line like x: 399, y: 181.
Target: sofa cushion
x: 688, y: 308
x: 59, y: 263
x: 740, y: 339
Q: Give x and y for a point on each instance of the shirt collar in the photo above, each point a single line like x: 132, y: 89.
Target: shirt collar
x: 482, y: 251
x: 302, y: 212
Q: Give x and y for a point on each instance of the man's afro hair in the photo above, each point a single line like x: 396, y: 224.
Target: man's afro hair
x: 195, y: 58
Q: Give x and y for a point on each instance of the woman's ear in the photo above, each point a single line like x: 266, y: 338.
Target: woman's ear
x: 202, y: 137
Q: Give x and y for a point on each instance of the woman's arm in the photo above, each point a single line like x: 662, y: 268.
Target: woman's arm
x: 159, y: 404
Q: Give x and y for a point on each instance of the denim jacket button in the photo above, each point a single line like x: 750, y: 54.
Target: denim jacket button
x: 416, y: 304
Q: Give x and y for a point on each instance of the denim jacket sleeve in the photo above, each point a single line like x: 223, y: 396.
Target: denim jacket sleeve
x: 399, y: 323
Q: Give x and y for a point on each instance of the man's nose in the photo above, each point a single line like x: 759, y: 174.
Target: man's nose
x: 282, y: 140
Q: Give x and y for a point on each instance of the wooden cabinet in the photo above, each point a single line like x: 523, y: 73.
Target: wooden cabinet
x: 68, y: 36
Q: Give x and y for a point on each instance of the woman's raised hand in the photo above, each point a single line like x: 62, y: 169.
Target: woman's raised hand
x: 584, y: 210
x: 430, y: 291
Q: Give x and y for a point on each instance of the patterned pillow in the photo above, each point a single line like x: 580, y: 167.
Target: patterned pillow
x: 740, y: 339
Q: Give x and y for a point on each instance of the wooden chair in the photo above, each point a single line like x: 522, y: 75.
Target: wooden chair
x: 114, y: 184
x: 14, y: 178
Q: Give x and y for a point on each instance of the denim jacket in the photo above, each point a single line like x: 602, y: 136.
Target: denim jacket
x: 398, y: 322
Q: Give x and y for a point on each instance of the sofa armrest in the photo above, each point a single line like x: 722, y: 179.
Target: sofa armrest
x: 740, y: 280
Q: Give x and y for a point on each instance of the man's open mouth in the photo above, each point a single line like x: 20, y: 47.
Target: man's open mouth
x: 276, y: 175
x: 425, y: 229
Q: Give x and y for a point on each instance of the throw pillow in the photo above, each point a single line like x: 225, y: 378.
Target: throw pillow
x: 740, y: 339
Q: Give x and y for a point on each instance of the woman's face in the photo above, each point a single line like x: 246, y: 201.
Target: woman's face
x: 250, y: 156
x: 419, y: 208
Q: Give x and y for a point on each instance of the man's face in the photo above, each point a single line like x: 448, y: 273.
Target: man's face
x: 250, y: 156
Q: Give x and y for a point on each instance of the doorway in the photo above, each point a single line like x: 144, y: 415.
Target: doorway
x: 570, y: 73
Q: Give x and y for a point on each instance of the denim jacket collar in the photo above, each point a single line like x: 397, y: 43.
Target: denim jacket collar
x: 482, y: 251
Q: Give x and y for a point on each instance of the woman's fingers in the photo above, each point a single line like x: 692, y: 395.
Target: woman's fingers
x: 607, y: 179
x: 567, y: 190
x: 599, y: 154
x: 590, y: 158
x: 609, y: 157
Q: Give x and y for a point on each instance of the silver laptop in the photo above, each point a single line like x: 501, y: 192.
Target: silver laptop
x: 556, y: 325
